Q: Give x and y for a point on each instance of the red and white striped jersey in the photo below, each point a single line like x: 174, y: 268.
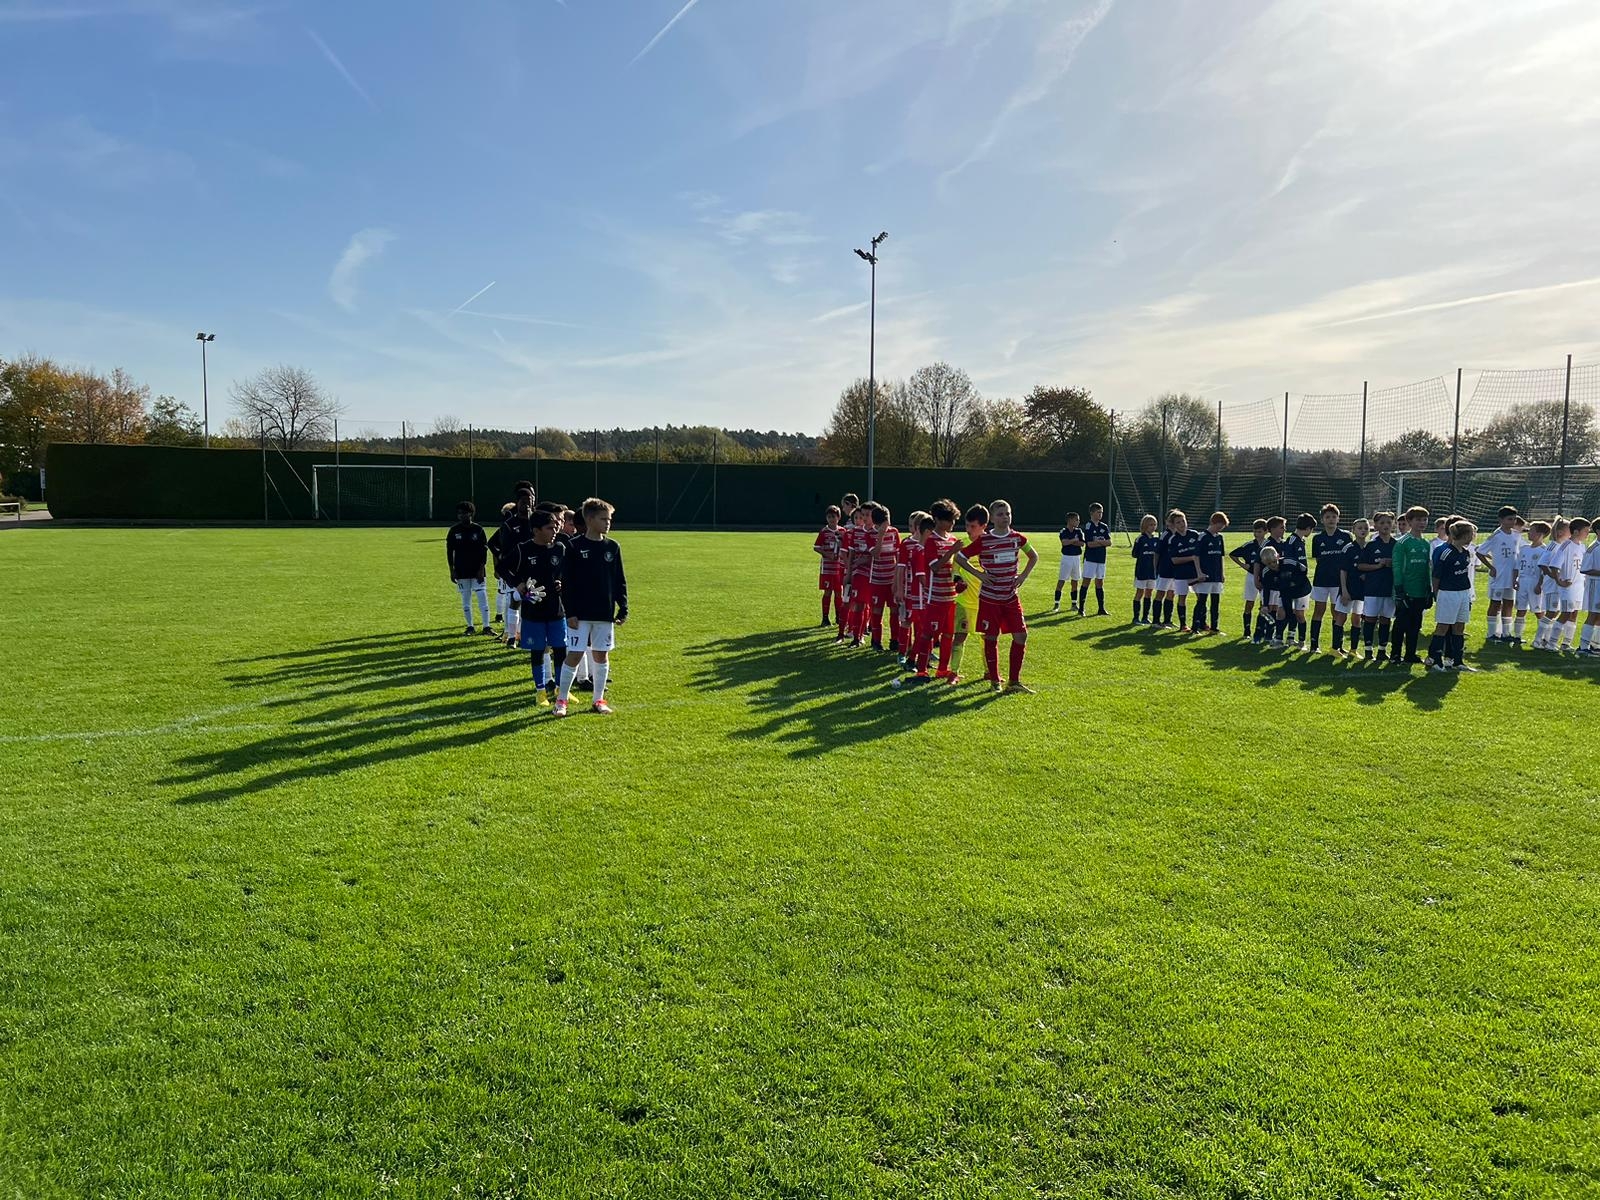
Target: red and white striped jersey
x: 887, y: 540
x: 830, y: 540
x: 859, y: 543
x: 941, y: 576
x: 914, y: 564
x: 997, y: 554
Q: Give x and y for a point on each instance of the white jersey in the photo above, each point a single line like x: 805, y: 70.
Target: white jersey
x: 1503, y: 548
x: 1529, y: 559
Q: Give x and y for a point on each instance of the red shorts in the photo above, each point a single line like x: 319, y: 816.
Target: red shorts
x: 831, y: 579
x: 939, y: 618
x: 996, y: 617
x: 882, y: 593
x: 860, y: 586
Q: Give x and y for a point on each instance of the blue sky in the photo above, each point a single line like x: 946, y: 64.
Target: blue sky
x: 1238, y: 197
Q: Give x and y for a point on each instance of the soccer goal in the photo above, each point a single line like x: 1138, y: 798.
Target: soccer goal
x: 1477, y: 493
x: 368, y: 492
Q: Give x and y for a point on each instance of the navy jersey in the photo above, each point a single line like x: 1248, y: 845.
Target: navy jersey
x: 1071, y: 542
x: 1290, y: 580
x: 543, y: 566
x: 1294, y: 546
x: 1164, y: 554
x: 513, y: 531
x: 1182, y: 545
x: 1452, y: 567
x: 1354, y: 581
x: 1248, y: 555
x: 1146, y: 549
x: 1211, y: 555
x: 1096, y: 531
x: 1329, y: 551
x: 466, y: 549
x: 1379, y: 583
x: 1437, y: 553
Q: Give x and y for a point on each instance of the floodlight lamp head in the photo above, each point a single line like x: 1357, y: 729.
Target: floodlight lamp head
x: 865, y: 257
x: 882, y: 237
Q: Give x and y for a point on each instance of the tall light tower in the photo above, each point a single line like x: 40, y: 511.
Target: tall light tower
x: 205, y: 389
x: 872, y: 363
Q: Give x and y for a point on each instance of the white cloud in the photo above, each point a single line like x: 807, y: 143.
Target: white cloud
x: 364, y: 246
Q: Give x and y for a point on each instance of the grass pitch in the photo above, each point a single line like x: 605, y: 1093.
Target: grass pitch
x: 299, y: 898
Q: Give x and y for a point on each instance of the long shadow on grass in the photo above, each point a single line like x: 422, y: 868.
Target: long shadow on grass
x: 332, y: 722
x: 813, y: 697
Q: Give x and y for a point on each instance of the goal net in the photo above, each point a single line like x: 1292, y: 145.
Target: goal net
x: 372, y: 493
x: 1479, y: 492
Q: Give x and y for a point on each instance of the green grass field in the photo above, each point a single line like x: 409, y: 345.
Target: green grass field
x: 298, y: 897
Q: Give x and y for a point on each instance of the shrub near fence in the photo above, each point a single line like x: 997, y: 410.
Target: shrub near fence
x: 167, y: 483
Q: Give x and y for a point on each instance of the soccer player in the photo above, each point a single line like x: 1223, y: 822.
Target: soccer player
x: 1097, y: 538
x: 1503, y: 546
x: 514, y: 530
x: 540, y: 563
x: 1591, y: 598
x: 1452, y: 584
x: 1530, y: 561
x: 830, y: 573
x: 1413, y: 586
x: 1000, y: 602
x: 916, y: 593
x: 1184, y: 556
x: 939, y: 622
x: 1375, y: 565
x: 883, y: 558
x: 1165, y: 598
x: 1247, y: 556
x: 858, y: 545
x: 847, y: 509
x: 1441, y: 536
x: 1294, y: 547
x: 1268, y: 614
x: 1328, y: 548
x: 466, y: 550
x: 1072, y: 546
x: 1287, y: 577
x: 1352, y: 589
x: 1564, y: 569
x: 1146, y: 551
x: 594, y: 592
x: 905, y: 555
x: 1210, y: 548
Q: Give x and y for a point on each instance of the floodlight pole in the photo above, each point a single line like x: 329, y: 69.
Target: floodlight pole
x: 872, y: 361
x: 205, y: 388
x: 1566, y: 414
x: 1455, y: 443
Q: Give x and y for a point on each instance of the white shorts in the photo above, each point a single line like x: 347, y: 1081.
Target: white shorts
x: 591, y: 635
x: 1178, y: 587
x: 1207, y: 589
x: 1299, y: 603
x: 1163, y: 584
x: 1453, y: 608
x: 1273, y: 600
x: 1499, y: 591
x: 1252, y: 590
x: 1094, y: 570
x: 1525, y: 595
x: 1351, y: 609
x: 1322, y: 595
x: 1591, y: 598
x: 467, y: 586
x: 1071, y: 567
x: 1572, y: 598
x: 1549, y: 600
x: 1380, y: 607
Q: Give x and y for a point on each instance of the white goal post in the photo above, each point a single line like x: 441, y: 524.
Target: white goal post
x: 371, y: 492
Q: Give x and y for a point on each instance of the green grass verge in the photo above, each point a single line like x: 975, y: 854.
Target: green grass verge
x: 298, y: 898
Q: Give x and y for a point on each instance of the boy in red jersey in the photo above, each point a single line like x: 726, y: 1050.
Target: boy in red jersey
x: 903, y: 634
x: 830, y: 574
x: 857, y: 543
x: 939, y: 620
x: 915, y: 590
x: 884, y: 560
x: 1000, y: 602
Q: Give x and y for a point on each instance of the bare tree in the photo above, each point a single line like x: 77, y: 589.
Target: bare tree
x: 288, y: 403
x: 946, y: 405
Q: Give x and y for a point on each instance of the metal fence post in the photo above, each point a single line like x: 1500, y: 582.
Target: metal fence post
x: 1566, y: 415
x: 1283, y: 481
x: 1111, y: 469
x: 472, y: 469
x: 338, y: 477
x: 536, y: 460
x: 266, y: 518
x: 1165, y: 508
x: 658, y: 476
x: 594, y: 452
x: 1218, y: 505
x: 1361, y: 470
x: 713, y: 479
x: 1455, y: 443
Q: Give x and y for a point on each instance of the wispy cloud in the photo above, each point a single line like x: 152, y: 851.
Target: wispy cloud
x: 334, y: 61
x: 1463, y: 301
x: 471, y: 298
x: 1052, y: 61
x: 833, y: 314
x: 663, y: 31
x: 519, y: 319
x: 364, y: 246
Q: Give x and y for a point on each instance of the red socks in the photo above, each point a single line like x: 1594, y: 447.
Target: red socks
x: 947, y: 642
x: 991, y: 658
x: 1017, y: 651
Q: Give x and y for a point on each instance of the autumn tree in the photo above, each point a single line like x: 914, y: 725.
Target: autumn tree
x: 1067, y: 426
x: 946, y: 405
x: 844, y: 440
x: 288, y: 403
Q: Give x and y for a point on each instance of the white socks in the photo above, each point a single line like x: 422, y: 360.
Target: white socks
x: 1569, y: 631
x: 1587, y: 636
x: 482, y: 593
x: 582, y: 671
x: 1522, y: 623
x: 566, y: 681
x: 601, y: 670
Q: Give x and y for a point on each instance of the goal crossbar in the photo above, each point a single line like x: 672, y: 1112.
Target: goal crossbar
x: 341, y: 470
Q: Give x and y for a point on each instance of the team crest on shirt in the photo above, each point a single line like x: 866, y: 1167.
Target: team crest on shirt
x: 608, y: 556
